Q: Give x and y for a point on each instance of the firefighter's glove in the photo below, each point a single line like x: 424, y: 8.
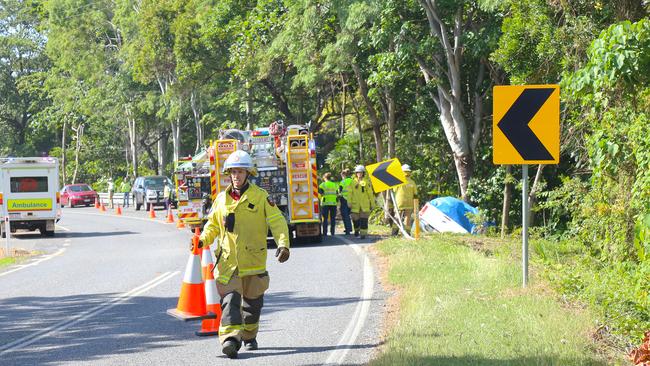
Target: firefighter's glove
x: 282, y: 254
x: 192, y: 244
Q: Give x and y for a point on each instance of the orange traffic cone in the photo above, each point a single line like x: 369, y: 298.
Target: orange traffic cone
x: 102, y: 208
x: 210, y: 326
x: 191, y: 302
x: 152, y: 214
x: 170, y: 217
x: 118, y: 210
x: 180, y: 224
x: 96, y: 203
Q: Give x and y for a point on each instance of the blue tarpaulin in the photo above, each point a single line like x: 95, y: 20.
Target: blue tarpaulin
x: 456, y: 210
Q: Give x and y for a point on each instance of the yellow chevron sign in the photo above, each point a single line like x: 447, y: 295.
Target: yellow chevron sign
x: 386, y: 175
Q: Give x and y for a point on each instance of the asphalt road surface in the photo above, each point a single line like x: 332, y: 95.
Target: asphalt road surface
x: 99, y: 293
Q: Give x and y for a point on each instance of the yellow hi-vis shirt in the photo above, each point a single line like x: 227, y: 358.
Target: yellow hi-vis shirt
x: 344, y: 187
x: 244, y: 249
x: 405, y: 194
x: 362, y: 197
x: 328, y: 192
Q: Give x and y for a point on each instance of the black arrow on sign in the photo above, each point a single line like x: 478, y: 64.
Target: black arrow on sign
x: 514, y: 124
x: 383, y: 175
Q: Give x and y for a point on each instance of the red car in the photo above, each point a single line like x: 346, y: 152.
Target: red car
x: 78, y: 194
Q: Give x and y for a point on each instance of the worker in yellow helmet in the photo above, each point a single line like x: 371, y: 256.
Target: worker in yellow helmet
x: 239, y: 218
x: 362, y: 201
x: 404, y: 196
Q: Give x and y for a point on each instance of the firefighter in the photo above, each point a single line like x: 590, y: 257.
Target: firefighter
x: 404, y: 196
x: 239, y: 219
x: 328, y: 191
x: 344, y: 197
x: 362, y: 201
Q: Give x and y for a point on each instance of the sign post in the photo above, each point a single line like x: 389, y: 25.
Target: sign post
x: 526, y: 130
x: 386, y: 175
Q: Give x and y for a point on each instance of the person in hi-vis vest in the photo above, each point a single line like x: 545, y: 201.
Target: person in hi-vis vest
x: 328, y: 191
x: 344, y: 200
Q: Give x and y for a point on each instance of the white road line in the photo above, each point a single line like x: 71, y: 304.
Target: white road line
x: 64, y: 324
x: 123, y: 217
x: 34, y: 262
x: 62, y: 228
x: 353, y: 329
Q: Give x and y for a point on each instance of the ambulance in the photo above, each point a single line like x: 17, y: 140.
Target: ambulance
x: 29, y: 194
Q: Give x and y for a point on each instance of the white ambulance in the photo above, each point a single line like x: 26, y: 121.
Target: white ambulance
x: 29, y: 194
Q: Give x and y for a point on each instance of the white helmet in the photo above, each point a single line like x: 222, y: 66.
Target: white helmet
x: 359, y: 169
x: 406, y: 168
x: 240, y: 159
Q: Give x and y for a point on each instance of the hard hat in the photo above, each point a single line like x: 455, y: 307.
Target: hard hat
x: 240, y: 159
x: 406, y: 168
x: 359, y: 169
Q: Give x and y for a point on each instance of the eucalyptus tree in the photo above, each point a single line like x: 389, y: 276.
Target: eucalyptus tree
x: 23, y: 64
x: 452, y: 53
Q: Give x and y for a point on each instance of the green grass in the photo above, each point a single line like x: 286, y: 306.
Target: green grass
x: 463, y: 307
x: 7, y: 261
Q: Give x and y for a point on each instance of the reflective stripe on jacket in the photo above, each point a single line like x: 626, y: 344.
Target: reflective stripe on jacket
x: 362, y: 197
x: 328, y: 191
x: 405, y: 194
x: 244, y: 249
x: 344, y: 188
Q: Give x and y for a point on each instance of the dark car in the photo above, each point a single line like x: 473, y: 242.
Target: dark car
x: 78, y: 195
x: 148, y: 191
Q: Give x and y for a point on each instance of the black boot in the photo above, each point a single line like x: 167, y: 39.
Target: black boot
x: 230, y: 347
x: 250, y: 345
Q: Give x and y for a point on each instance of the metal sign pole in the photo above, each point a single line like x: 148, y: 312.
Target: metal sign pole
x: 524, y: 220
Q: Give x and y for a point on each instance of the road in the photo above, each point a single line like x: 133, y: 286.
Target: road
x: 99, y: 293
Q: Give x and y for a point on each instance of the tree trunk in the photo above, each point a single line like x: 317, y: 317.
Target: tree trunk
x: 63, y: 162
x: 162, y: 143
x: 359, y: 128
x: 372, y: 112
x: 250, y: 117
x: 507, y: 199
x: 197, y: 121
x: 343, y: 105
x: 532, y: 195
x: 80, y: 132
x: 130, y: 123
x: 390, y: 122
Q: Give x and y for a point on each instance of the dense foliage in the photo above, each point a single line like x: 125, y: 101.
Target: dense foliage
x: 123, y: 88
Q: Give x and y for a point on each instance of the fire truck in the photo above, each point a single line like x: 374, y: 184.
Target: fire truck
x: 285, y: 159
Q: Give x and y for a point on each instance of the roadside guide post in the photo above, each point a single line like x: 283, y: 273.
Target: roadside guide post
x: 416, y: 218
x: 526, y: 130
x: 384, y: 176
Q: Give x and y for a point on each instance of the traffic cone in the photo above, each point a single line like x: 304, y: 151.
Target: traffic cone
x: 152, y: 214
x: 102, y: 208
x: 170, y: 218
x: 191, y: 302
x: 118, y: 210
x: 96, y: 203
x: 210, y: 326
x: 180, y: 224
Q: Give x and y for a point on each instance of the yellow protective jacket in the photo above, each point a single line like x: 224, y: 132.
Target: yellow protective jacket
x: 405, y: 194
x: 362, y: 197
x: 244, y: 249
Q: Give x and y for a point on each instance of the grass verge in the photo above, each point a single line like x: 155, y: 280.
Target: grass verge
x: 463, y: 307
